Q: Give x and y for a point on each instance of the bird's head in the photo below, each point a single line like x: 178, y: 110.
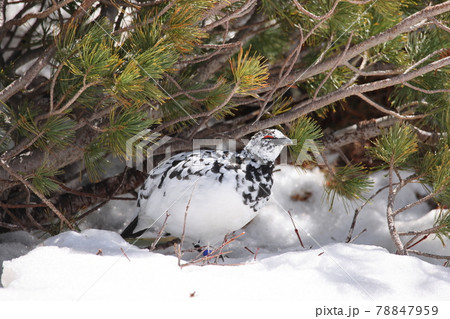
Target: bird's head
x: 266, y: 145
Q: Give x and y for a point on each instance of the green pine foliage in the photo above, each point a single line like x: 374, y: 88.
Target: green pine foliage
x: 350, y: 182
x: 442, y: 221
x: 42, y: 179
x: 434, y: 169
x: 396, y: 146
x: 95, y: 162
x: 55, y: 132
x: 249, y: 72
x: 124, y: 124
x: 307, y: 133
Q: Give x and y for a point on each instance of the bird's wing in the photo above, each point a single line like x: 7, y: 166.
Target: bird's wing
x: 186, y: 166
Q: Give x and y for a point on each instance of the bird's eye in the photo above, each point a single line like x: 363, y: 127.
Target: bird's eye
x: 268, y: 136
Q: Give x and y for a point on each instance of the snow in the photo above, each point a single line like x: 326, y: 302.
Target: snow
x: 98, y: 265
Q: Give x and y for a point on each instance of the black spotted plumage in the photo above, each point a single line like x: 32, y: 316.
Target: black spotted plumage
x: 225, y: 190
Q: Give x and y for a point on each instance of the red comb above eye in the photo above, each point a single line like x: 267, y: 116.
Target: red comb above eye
x: 268, y: 136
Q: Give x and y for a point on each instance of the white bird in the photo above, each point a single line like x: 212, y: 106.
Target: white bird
x: 210, y: 193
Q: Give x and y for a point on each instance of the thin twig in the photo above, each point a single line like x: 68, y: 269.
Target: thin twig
x: 184, y: 226
x: 338, y: 61
x: 357, y: 236
x: 14, y: 218
x: 439, y: 24
x: 387, y: 111
x: 146, y: 22
x: 123, y: 252
x: 358, y: 210
x: 312, y: 15
x: 421, y: 253
x: 75, y: 192
x: 411, y: 244
x: 52, y: 85
x: 372, y: 73
x: 420, y: 201
x: 213, y: 254
x: 296, y: 230
x: 429, y: 56
x: 160, y: 233
x: 210, y: 113
x: 246, y: 7
x: 426, y: 91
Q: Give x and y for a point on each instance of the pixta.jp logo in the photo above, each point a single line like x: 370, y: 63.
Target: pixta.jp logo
x: 140, y: 150
x: 141, y: 147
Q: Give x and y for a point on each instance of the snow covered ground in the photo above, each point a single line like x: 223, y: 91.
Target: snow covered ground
x: 284, y: 275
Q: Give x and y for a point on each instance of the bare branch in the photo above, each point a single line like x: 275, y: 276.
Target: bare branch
x: 160, y: 233
x: 372, y: 73
x: 358, y: 210
x: 421, y: 232
x: 312, y: 15
x: 387, y: 111
x: 440, y: 25
x: 429, y: 56
x: 246, y: 8
x: 421, y: 253
x: 431, y: 138
x: 24, y: 80
x: 420, y: 201
x: 426, y: 91
x: 390, y: 212
x: 38, y: 15
x: 407, y: 25
x: 334, y: 67
x: 310, y: 106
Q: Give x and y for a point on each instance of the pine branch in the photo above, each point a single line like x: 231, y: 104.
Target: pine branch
x: 246, y: 8
x: 387, y: 111
x: 426, y: 91
x: 39, y: 194
x: 312, y: 15
x: 38, y: 15
x: 24, y: 80
x: 55, y: 159
x: 310, y: 106
x: 405, y: 26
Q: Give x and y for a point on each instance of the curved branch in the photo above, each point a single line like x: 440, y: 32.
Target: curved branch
x: 426, y: 91
x: 407, y: 25
x: 312, y: 15
x: 38, y: 15
x: 387, y: 111
x: 310, y: 106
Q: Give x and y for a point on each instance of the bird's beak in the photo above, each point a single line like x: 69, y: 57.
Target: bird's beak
x: 283, y: 141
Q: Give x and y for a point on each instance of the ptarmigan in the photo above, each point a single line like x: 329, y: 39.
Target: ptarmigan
x: 224, y: 190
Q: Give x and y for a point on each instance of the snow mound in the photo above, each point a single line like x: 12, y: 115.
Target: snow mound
x: 73, y: 271
x: 98, y: 265
x: 93, y: 241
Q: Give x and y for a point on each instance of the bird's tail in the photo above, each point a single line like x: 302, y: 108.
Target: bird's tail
x: 128, y: 232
